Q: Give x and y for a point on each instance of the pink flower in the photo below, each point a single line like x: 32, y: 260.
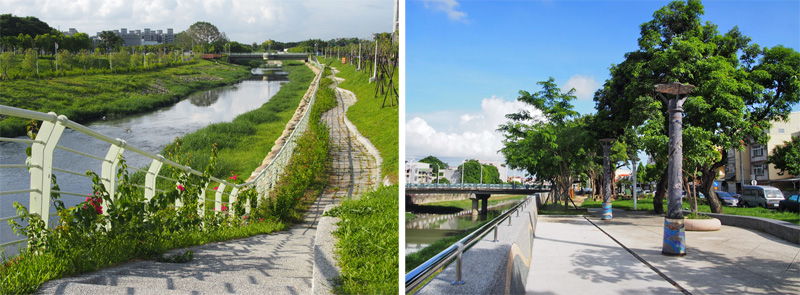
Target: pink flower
x: 261, y: 219
x: 180, y: 187
x: 233, y: 177
x: 224, y: 208
x: 245, y: 217
x: 216, y: 187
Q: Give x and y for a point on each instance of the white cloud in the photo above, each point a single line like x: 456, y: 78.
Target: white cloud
x: 471, y: 135
x: 244, y: 21
x: 449, y: 7
x: 584, y: 86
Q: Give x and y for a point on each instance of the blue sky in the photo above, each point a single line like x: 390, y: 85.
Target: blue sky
x: 467, y: 60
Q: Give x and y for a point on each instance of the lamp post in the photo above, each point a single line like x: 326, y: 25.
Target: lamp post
x: 606, y: 213
x: 479, y: 164
x: 674, y: 234
x: 437, y: 173
x: 634, y: 158
x: 463, y: 163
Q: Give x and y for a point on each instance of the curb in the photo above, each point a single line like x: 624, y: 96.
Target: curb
x: 326, y: 271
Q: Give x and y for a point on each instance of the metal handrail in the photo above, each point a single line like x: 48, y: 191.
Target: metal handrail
x: 422, y: 272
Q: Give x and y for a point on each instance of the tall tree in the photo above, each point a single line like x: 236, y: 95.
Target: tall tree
x: 786, y: 157
x: 11, y: 25
x: 735, y: 99
x: 204, y: 34
x: 553, y: 147
x: 476, y: 172
x: 110, y: 41
x: 435, y: 163
x: 7, y: 61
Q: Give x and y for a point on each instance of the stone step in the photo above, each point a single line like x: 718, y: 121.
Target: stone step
x: 192, y: 284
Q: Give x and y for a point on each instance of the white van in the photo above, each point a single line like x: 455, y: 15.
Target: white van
x: 761, y: 195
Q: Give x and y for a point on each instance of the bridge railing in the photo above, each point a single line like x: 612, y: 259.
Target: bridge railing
x: 41, y: 166
x: 477, y: 186
x: 422, y: 273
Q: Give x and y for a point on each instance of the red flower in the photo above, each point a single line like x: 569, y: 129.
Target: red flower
x: 180, y: 187
x: 216, y: 187
x: 224, y: 208
x: 261, y: 219
x: 233, y: 177
x: 245, y: 217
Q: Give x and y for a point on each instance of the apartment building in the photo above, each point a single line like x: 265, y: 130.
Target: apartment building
x: 749, y: 166
x: 417, y: 172
x: 146, y: 37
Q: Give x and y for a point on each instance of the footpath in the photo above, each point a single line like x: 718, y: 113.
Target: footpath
x: 295, y: 261
x: 586, y: 255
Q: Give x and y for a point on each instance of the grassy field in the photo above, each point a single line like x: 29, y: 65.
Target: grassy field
x: 367, y: 246
x: 90, y: 97
x: 379, y: 124
x: 647, y: 205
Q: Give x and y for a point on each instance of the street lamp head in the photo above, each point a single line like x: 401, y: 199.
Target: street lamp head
x: 674, y: 88
x: 607, y: 141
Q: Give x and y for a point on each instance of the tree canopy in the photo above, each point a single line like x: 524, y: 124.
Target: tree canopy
x: 740, y: 88
x: 472, y: 172
x: 553, y: 147
x: 11, y: 25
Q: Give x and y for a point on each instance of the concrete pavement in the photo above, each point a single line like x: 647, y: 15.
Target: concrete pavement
x: 571, y: 256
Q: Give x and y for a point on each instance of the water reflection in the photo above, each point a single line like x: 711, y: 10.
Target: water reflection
x: 426, y: 229
x: 150, y: 131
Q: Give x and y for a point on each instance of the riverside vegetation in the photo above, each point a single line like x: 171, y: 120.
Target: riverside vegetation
x: 84, y: 98
x: 86, y: 240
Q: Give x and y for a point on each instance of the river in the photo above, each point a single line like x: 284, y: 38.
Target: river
x: 149, y: 131
x: 426, y: 229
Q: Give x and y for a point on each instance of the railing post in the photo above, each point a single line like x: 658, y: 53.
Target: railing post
x: 218, y: 197
x: 509, y: 220
x: 151, y: 177
x: 495, y: 234
x: 458, y: 280
x: 201, y: 202
x: 108, y: 173
x: 232, y: 200
x: 42, y: 157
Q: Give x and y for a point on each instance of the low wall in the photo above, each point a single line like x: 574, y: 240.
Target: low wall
x: 419, y: 199
x: 493, y: 267
x: 781, y: 229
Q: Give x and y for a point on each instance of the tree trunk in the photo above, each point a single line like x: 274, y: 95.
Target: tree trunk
x: 708, y: 188
x: 661, y: 191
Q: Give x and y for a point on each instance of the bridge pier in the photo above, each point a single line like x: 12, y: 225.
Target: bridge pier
x: 484, y: 198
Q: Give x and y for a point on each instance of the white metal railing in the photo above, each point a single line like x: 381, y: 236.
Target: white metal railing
x: 40, y: 163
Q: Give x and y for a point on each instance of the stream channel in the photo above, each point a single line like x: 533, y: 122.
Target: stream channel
x: 150, y: 131
x: 426, y: 229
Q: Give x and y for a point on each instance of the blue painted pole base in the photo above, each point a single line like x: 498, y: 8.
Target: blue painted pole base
x: 674, y: 237
x: 605, y: 213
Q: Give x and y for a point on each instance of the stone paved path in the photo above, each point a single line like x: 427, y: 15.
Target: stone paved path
x: 276, y: 263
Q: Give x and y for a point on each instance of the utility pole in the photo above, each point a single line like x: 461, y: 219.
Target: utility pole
x: 674, y: 234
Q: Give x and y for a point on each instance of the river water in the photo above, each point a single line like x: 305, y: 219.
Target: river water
x: 426, y: 229
x: 149, y: 131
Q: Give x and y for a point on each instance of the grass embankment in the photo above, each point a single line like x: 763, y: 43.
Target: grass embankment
x: 379, y: 124
x: 244, y: 142
x: 90, y: 97
x: 367, y: 248
x: 647, y: 205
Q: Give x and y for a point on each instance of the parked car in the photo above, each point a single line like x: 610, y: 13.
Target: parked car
x: 727, y: 199
x: 761, y: 195
x: 791, y: 203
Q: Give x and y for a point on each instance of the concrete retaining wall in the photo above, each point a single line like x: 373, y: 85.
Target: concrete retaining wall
x: 430, y: 198
x: 781, y: 229
x: 493, y: 267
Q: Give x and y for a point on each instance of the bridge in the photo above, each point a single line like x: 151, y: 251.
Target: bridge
x: 476, y: 192
x: 267, y: 56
